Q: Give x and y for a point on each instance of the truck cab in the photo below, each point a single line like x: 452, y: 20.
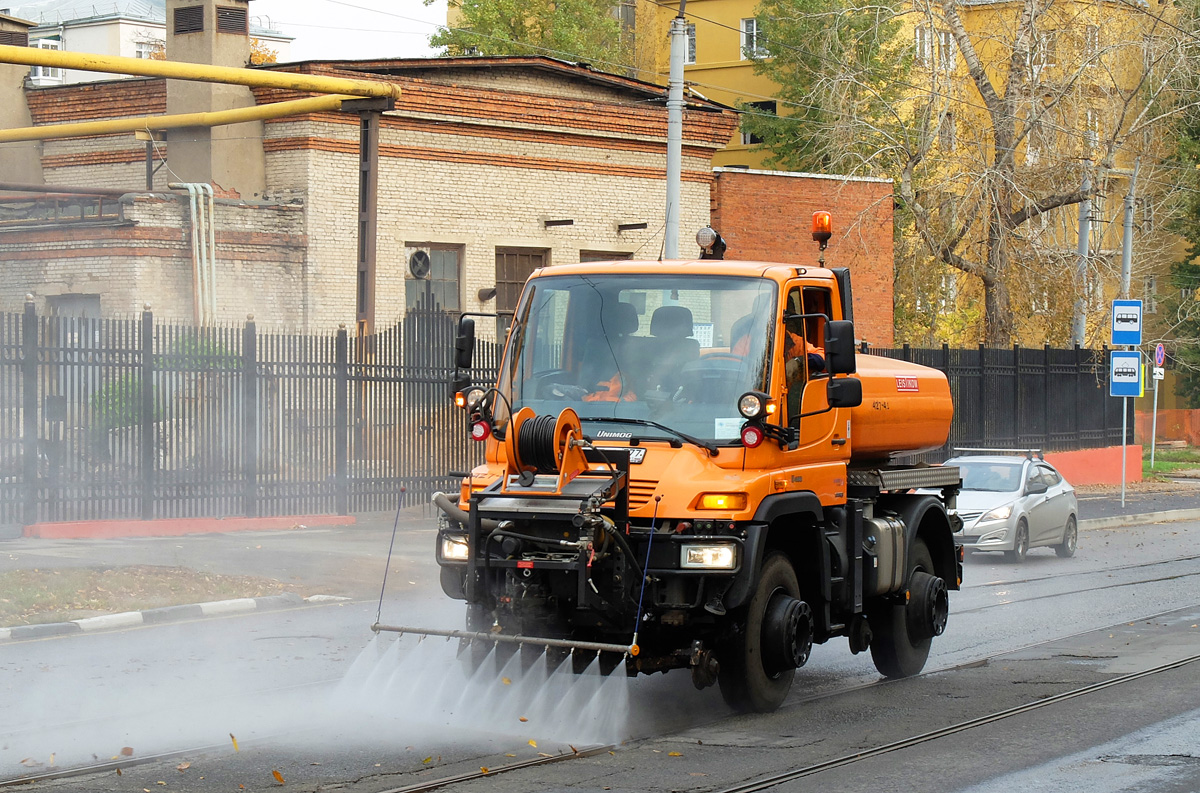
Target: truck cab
x: 680, y: 461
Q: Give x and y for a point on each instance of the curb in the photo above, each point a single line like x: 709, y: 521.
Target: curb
x: 176, y: 527
x: 160, y: 616
x: 1121, y: 521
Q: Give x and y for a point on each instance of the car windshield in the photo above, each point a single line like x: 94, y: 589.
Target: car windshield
x: 674, y: 350
x: 995, y: 477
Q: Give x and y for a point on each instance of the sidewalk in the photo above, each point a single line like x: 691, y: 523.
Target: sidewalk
x: 1140, y: 498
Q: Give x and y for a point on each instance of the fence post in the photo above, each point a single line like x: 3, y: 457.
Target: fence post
x: 906, y: 352
x: 1017, y: 391
x: 250, y: 418
x: 148, y: 435
x: 1079, y: 397
x: 1105, y: 439
x: 982, y: 396
x: 29, y: 411
x: 1046, y: 394
x: 341, y: 418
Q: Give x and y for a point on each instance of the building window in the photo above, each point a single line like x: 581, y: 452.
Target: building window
x: 1150, y: 294
x: 513, y: 266
x: 1092, y: 128
x: 924, y: 45
x: 1187, y: 293
x: 691, y: 44
x: 753, y: 43
x: 1091, y: 44
x: 1147, y: 213
x: 433, y: 279
x: 46, y: 74
x: 149, y: 49
x: 1037, y: 142
x: 947, y: 50
x: 1044, y: 54
x: 948, y: 133
x: 758, y: 109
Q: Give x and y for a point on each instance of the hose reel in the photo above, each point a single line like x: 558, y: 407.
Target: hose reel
x: 545, y: 445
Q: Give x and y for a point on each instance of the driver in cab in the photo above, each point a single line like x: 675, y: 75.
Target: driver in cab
x: 796, y: 350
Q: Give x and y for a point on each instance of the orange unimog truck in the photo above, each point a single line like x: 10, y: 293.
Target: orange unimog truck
x: 689, y: 465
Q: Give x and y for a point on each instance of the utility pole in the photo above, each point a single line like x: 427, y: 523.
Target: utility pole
x: 675, y: 132
x: 1127, y: 237
x: 1078, y: 322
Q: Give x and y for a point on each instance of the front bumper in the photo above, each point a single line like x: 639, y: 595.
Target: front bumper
x: 992, y: 535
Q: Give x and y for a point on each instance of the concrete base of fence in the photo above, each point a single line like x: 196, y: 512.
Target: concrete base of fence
x: 174, y: 527
x: 1098, y: 466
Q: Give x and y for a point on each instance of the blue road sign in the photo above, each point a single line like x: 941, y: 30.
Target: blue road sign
x: 1125, y: 374
x: 1126, y: 322
x: 1160, y: 355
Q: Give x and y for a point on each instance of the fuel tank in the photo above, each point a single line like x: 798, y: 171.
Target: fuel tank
x: 906, y: 407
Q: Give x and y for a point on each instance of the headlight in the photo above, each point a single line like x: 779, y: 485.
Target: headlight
x: 723, y: 501
x: 999, y: 513
x: 753, y: 404
x: 708, y: 557
x: 454, y: 548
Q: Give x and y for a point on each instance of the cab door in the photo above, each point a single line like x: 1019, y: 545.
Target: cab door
x: 804, y: 385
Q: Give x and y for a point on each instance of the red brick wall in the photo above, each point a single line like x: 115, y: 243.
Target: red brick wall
x: 767, y: 216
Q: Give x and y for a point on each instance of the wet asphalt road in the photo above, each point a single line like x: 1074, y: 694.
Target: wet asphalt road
x: 1023, y: 631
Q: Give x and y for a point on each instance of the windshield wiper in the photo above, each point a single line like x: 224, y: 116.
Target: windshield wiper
x: 711, y: 448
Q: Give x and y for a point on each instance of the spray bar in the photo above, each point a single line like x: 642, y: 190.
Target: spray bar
x: 500, y: 637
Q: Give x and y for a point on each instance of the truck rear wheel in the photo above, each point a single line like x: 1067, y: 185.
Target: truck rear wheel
x: 894, y: 649
x: 748, y: 678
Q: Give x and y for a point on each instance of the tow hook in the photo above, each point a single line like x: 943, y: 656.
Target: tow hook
x: 704, y: 666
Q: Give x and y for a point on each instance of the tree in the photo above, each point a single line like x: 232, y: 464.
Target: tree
x: 574, y: 30
x: 987, y: 117
x: 261, y: 54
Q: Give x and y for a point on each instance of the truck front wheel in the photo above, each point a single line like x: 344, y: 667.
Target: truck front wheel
x: 753, y: 677
x: 896, y: 649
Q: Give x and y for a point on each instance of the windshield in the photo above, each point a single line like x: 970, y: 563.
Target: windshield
x: 674, y: 350
x: 995, y: 477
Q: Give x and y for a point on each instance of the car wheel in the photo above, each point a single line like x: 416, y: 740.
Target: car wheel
x: 1070, y: 540
x: 1020, y: 544
x: 897, y: 649
x: 748, y: 679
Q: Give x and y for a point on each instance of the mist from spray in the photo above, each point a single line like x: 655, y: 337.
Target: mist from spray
x: 536, y: 695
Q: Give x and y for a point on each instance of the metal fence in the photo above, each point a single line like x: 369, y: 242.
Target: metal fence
x: 127, y: 419
x: 1024, y: 397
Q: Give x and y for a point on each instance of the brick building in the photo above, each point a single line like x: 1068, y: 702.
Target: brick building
x: 488, y: 167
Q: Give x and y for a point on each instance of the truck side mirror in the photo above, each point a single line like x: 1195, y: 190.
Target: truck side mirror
x: 839, y: 347
x: 845, y: 392
x: 464, y: 345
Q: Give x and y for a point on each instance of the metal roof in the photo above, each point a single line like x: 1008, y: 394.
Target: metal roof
x: 64, y: 12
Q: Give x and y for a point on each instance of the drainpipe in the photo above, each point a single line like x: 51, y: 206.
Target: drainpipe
x: 199, y: 276
x: 210, y: 217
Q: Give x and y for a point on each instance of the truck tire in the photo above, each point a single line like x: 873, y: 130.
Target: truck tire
x: 894, y: 651
x: 745, y: 684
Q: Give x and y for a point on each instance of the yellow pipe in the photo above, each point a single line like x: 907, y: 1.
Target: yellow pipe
x: 215, y: 118
x: 255, y: 78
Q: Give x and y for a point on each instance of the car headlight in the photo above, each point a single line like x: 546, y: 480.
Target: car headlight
x: 454, y: 548
x: 708, y: 557
x: 999, y: 513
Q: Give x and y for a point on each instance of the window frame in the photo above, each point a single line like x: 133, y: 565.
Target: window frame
x: 42, y: 75
x: 751, y: 32
x: 433, y: 248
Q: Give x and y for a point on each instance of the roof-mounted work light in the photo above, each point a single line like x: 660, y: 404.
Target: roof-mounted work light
x: 712, y: 245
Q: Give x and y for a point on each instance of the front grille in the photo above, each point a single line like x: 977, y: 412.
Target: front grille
x: 968, y: 517
x: 640, y: 492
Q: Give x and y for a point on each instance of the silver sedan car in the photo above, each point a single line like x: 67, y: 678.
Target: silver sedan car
x: 1012, y: 503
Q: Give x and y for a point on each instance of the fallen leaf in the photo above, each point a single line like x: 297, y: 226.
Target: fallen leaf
x: 522, y: 718
x: 696, y: 773
x: 235, y: 746
x: 278, y: 777
x: 118, y: 772
x: 544, y: 754
x: 126, y: 751
x: 506, y: 681
x: 164, y: 784
x: 610, y: 751
x: 29, y: 762
x: 183, y: 766
x: 674, y: 754
x: 427, y: 760
x: 509, y: 754
x: 483, y: 768
x: 52, y: 759
x: 573, y: 749
x: 533, y: 743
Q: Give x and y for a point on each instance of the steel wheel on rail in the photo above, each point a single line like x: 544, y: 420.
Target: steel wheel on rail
x: 1020, y: 543
x: 902, y: 633
x: 757, y: 666
x: 1070, y: 540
